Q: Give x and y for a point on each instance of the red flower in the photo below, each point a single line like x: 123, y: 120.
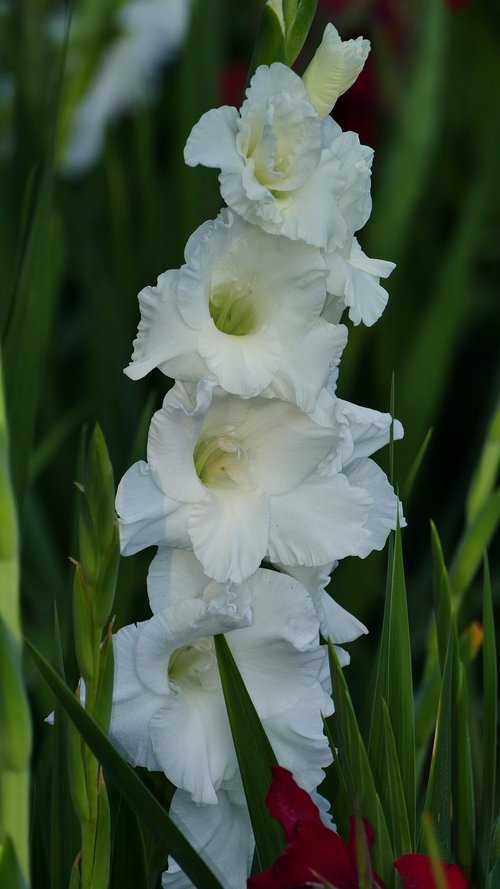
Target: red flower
x: 314, y: 853
x: 416, y: 872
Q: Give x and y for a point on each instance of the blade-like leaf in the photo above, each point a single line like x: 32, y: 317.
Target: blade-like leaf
x: 437, y: 805
x: 474, y: 542
x: 254, y: 752
x: 356, y: 778
x: 126, y: 781
x: 415, y: 467
x: 401, y: 837
x: 394, y: 685
x: 483, y: 480
x: 489, y: 762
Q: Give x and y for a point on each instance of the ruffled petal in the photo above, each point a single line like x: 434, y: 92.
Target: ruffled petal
x: 381, y: 519
x: 174, y: 575
x: 229, y: 532
x: 222, y: 835
x: 173, y: 434
x: 162, y: 333
x: 212, y: 141
x: 319, y: 522
x: 146, y: 516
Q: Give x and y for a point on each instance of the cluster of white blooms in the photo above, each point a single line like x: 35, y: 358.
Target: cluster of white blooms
x: 253, y: 458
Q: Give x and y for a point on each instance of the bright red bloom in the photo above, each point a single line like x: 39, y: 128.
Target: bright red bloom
x: 314, y: 853
x: 416, y: 873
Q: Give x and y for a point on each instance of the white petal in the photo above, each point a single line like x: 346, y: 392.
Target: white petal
x: 381, y: 518
x: 363, y: 294
x: 341, y: 625
x: 297, y: 738
x: 192, y: 740
x: 319, y: 522
x: 370, y: 429
x: 306, y: 366
x: 146, y: 516
x: 173, y: 434
x: 133, y: 704
x: 334, y: 68
x: 174, y: 575
x: 222, y: 835
x: 229, y: 532
x: 212, y: 140
x: 242, y: 365
x: 162, y: 333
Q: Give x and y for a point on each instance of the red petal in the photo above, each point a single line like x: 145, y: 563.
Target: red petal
x: 416, y: 873
x: 288, y: 803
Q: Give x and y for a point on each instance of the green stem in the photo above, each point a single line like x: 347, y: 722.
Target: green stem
x: 15, y: 740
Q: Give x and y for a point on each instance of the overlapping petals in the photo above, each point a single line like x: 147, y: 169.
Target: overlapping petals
x: 242, y: 480
x: 283, y: 167
x: 168, y: 708
x: 241, y: 312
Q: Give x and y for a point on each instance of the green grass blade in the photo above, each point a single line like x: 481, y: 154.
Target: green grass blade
x: 130, y: 787
x: 437, y: 807
x: 354, y: 767
x: 489, y: 752
x: 415, y: 467
x: 483, y: 480
x: 402, y: 840
x: 394, y: 685
x: 473, y: 544
x: 464, y: 815
x: 255, y: 755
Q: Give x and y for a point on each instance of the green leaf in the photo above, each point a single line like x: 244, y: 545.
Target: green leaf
x: 415, y: 467
x: 270, y: 43
x: 353, y: 767
x: 298, y: 16
x: 255, y: 755
x: 10, y: 872
x: 394, y: 685
x: 129, y: 866
x: 473, y: 544
x: 489, y: 751
x: 400, y: 829
x: 485, y: 475
x: 464, y: 827
x: 130, y: 787
x: 438, y: 797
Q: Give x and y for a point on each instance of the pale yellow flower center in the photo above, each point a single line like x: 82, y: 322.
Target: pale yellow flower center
x: 187, y: 663
x: 217, y: 455
x: 232, y: 307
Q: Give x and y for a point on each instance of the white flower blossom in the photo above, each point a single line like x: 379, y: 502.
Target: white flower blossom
x: 238, y: 480
x: 354, y: 283
x: 168, y: 708
x: 244, y: 311
x: 282, y: 166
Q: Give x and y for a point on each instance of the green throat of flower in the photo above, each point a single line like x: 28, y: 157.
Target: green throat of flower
x: 233, y: 310
x: 216, y: 457
x: 187, y: 663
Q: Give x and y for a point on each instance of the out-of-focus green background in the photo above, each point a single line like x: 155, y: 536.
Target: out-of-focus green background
x: 76, y: 249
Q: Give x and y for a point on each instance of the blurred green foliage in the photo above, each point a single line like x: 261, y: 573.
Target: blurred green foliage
x: 75, y: 251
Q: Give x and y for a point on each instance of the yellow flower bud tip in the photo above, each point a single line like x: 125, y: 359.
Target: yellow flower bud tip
x: 476, y: 637
x: 334, y: 68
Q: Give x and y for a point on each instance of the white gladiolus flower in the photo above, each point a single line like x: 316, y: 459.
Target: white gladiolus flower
x: 221, y: 834
x: 244, y: 311
x: 168, y: 708
x: 237, y: 481
x: 354, y: 282
x: 150, y: 32
x: 334, y: 68
x: 282, y: 166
